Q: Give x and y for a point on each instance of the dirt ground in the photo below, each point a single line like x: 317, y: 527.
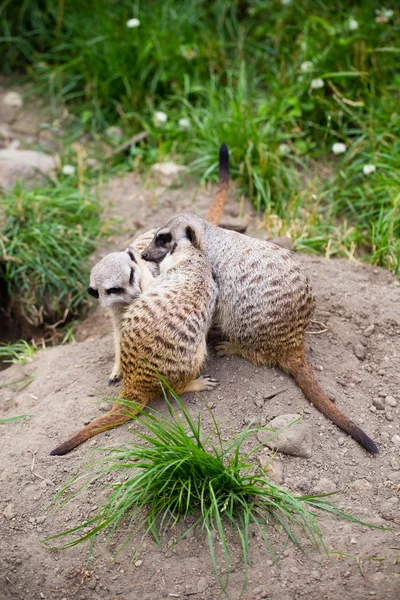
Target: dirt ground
x: 357, y: 357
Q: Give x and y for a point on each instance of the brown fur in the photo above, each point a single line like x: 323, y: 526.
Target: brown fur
x: 264, y: 305
x: 157, y: 337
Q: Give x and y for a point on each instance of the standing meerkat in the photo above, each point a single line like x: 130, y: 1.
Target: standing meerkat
x: 115, y: 280
x: 163, y: 331
x: 264, y: 305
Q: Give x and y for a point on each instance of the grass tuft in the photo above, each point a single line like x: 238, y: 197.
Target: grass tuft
x: 46, y: 236
x: 171, y: 473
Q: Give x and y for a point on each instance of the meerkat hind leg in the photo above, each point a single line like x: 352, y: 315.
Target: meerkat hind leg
x: 201, y: 384
x: 229, y: 349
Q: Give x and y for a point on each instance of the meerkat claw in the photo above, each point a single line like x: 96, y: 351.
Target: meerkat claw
x: 209, y: 382
x: 225, y: 349
x: 114, y: 379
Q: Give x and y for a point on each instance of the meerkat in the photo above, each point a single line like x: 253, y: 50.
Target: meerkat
x: 164, y: 331
x: 264, y: 305
x: 115, y: 280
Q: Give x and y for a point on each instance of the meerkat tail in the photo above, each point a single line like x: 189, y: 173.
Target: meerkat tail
x: 113, y: 418
x: 217, y: 206
x: 302, y: 373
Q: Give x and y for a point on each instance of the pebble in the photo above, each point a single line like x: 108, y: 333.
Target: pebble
x: 359, y: 351
x: 259, y: 402
x: 360, y: 485
x: 396, y: 440
x: 40, y: 519
x: 378, y: 403
x: 324, y: 485
x: 395, y: 463
x: 202, y: 584
x: 369, y: 330
x: 295, y: 439
x: 390, y: 401
x: 388, y: 414
x: 382, y: 394
x: 91, y: 584
x: 13, y: 99
x: 372, y: 408
x: 381, y: 372
x: 138, y: 563
x: 9, y: 511
x: 272, y: 468
x: 341, y: 441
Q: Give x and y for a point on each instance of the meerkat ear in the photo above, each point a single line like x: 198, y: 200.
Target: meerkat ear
x: 193, y: 237
x: 93, y: 292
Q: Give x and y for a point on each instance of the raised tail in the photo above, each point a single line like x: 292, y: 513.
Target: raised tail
x: 118, y: 415
x: 303, y: 374
x: 217, y: 206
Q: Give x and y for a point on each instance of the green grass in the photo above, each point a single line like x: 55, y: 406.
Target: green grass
x: 46, y: 237
x: 242, y: 73
x: 17, y: 353
x: 13, y: 419
x: 171, y: 474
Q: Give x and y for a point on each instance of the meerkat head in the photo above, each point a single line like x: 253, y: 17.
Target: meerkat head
x: 181, y: 230
x: 115, y: 280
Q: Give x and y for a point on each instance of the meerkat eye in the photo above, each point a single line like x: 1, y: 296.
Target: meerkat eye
x: 115, y: 291
x: 93, y: 292
x: 163, y: 238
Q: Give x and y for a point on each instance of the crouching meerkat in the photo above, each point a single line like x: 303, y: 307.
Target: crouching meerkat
x: 115, y: 280
x: 164, y: 330
x: 264, y: 305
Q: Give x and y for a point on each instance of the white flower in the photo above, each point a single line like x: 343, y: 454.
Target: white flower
x: 367, y: 169
x: 68, y: 170
x: 133, y: 23
x: 317, y: 84
x: 306, y: 66
x: 13, y: 99
x: 353, y: 24
x: 285, y: 2
x: 339, y: 148
x: 184, y: 124
x: 283, y: 149
x: 384, y: 15
x: 160, y: 118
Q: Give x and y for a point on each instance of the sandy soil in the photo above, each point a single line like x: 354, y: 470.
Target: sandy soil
x: 357, y: 358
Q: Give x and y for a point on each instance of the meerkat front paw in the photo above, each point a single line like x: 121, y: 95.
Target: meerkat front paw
x: 115, y: 378
x: 208, y: 382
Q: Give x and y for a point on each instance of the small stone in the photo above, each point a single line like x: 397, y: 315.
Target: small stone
x: 91, y: 584
x: 372, y: 408
x: 360, y: 485
x: 396, y: 440
x: 13, y: 99
x: 167, y: 172
x: 9, y: 511
x: 324, y: 485
x: 382, y: 372
x: 202, y: 584
x: 378, y: 403
x: 272, y: 468
x: 369, y: 330
x: 257, y: 590
x: 40, y: 519
x: 24, y: 165
x: 390, y: 401
x: 394, y: 463
x: 388, y: 414
x: 359, y: 351
x: 382, y: 394
x: 259, y: 402
x: 353, y: 541
x: 210, y: 404
x: 315, y: 574
x: 295, y: 437
x: 138, y: 563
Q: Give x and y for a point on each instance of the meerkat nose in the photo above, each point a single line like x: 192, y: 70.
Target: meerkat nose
x: 145, y: 255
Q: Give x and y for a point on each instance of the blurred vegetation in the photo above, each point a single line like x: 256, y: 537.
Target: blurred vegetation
x: 279, y: 81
